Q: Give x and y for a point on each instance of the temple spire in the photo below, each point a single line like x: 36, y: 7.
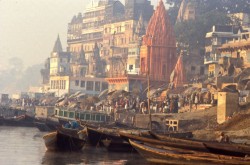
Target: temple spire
x: 58, y: 46
x: 160, y: 30
x: 159, y: 56
x: 82, y: 56
x: 179, y: 76
x: 96, y: 51
x: 140, y: 29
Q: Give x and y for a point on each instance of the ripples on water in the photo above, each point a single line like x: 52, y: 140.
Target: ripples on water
x: 24, y: 146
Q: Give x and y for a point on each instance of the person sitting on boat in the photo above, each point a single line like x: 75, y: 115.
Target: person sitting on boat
x: 74, y: 125
x: 223, y: 138
x: 67, y: 125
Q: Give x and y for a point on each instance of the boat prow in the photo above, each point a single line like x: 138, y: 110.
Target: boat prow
x: 50, y: 141
x: 65, y: 140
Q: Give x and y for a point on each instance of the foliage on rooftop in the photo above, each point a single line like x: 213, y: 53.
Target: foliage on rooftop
x: 191, y: 33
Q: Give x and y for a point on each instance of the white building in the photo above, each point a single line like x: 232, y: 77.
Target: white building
x: 61, y: 85
x: 59, y: 60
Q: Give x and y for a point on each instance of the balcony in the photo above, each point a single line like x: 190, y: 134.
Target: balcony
x: 211, y: 60
x: 74, y: 40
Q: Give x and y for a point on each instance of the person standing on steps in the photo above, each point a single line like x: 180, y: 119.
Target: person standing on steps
x: 196, y: 101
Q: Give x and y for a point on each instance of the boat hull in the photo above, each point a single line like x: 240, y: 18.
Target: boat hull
x: 62, y: 141
x: 110, y: 139
x: 230, y: 149
x: 117, y: 146
x: 50, y: 141
x: 191, y: 146
x: 23, y: 121
x: 65, y: 142
x: 42, y: 127
x: 95, y: 136
x: 176, y: 156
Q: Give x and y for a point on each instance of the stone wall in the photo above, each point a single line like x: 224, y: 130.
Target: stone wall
x: 227, y: 105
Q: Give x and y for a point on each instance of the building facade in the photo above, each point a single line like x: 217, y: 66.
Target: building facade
x: 102, y: 42
x: 61, y: 85
x: 84, y: 31
x: 219, y: 35
x: 113, y: 27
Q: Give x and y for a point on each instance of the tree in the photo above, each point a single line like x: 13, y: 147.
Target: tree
x: 192, y: 33
x: 204, y: 6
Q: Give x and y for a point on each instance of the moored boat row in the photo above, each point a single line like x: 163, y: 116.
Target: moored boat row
x: 164, y: 150
x: 20, y: 121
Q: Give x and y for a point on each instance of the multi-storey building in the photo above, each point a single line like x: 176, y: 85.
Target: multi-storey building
x: 74, y: 35
x: 214, y: 39
x: 96, y: 64
x: 242, y: 18
x: 70, y: 72
x: 61, y: 85
x: 116, y: 39
x: 135, y: 8
x: 90, y: 30
x: 237, y: 49
x: 110, y: 25
x: 104, y: 39
x: 157, y: 55
x: 79, y: 65
x: 133, y: 64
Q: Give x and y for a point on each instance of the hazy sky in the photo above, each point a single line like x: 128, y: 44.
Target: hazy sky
x: 29, y: 28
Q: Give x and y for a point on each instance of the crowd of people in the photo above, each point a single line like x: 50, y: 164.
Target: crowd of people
x: 170, y: 104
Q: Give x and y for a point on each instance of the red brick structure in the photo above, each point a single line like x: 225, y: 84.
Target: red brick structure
x: 179, y: 77
x: 158, y: 52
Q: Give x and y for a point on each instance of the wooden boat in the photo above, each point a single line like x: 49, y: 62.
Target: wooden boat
x: 80, y: 133
x: 52, y: 123
x: 1, y: 120
x: 179, y: 135
x: 42, y: 126
x: 231, y: 149
x: 117, y: 146
x: 50, y: 141
x: 19, y: 121
x: 110, y: 139
x: 66, y: 115
x: 96, y: 135
x: 240, y: 150
x: 170, y: 138
x: 65, y: 139
x: 177, y: 143
x: 170, y: 155
x: 47, y: 124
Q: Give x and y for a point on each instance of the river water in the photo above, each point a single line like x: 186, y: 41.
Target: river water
x: 25, y: 146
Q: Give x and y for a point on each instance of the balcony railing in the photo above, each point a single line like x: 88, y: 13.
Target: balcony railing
x: 210, y: 60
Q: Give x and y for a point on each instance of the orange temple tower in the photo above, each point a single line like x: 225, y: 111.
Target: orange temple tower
x: 179, y: 77
x: 158, y: 52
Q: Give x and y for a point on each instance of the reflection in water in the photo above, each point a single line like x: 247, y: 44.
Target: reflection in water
x: 20, y: 146
x: 91, y: 155
x: 25, y: 146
